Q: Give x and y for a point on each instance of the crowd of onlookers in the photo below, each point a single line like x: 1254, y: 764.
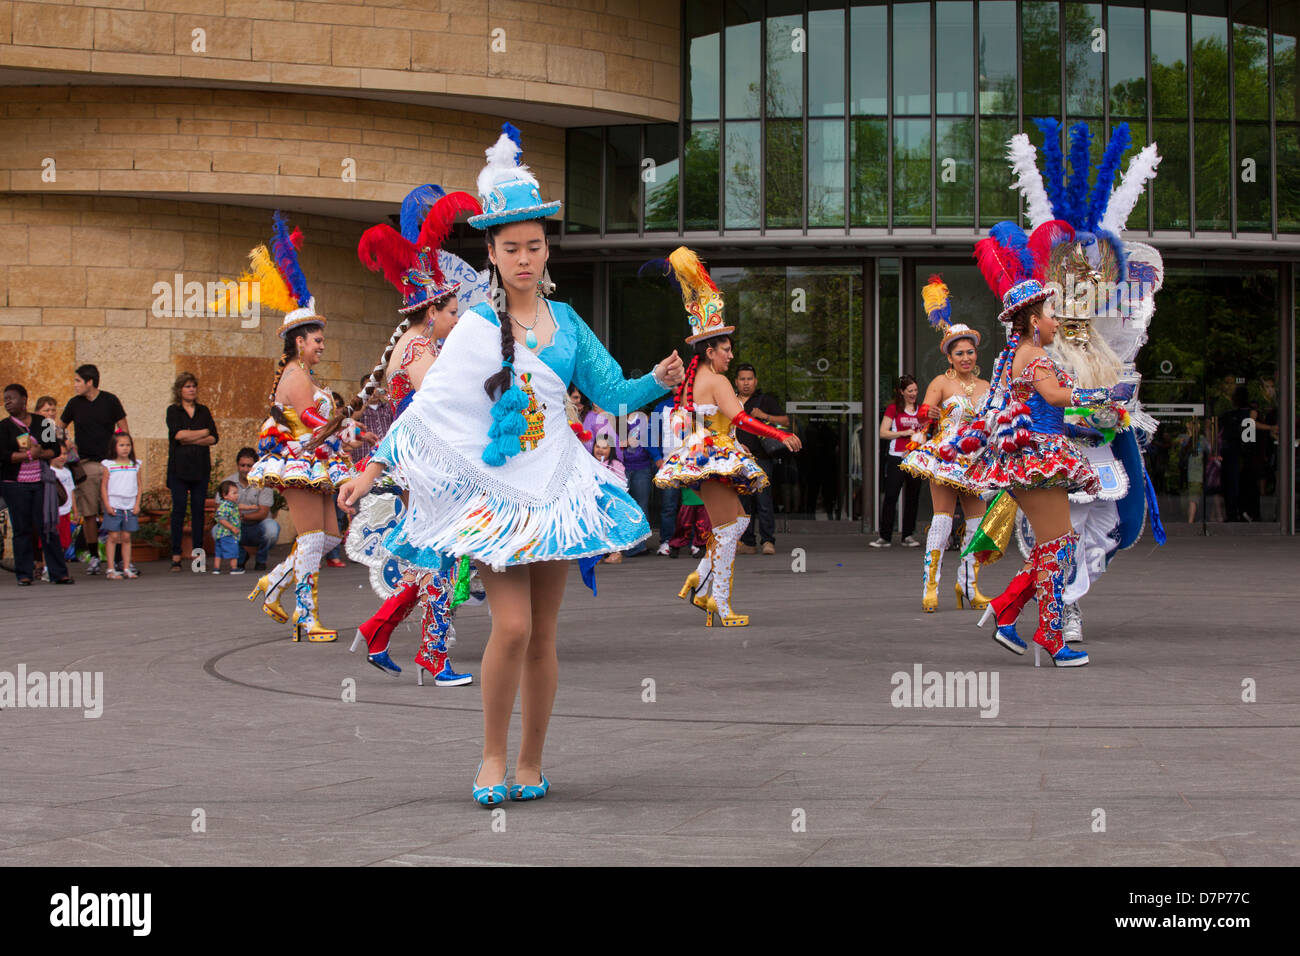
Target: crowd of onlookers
x: 71, y: 479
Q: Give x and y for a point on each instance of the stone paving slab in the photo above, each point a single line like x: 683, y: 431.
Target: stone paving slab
x: 776, y: 744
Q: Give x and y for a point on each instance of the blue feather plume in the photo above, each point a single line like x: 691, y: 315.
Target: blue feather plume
x: 1080, y: 166
x: 1010, y: 236
x: 660, y: 267
x: 415, y: 207
x: 1120, y: 255
x: 1053, y: 164
x: 286, y: 260
x: 513, y: 132
x: 1120, y: 140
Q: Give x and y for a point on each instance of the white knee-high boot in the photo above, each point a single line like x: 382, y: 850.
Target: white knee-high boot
x: 968, y: 571
x: 935, y: 543
x: 311, y: 546
x: 724, y: 563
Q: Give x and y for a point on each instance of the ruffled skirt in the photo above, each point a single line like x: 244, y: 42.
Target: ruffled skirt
x: 724, y: 460
x: 1049, y: 461
x: 924, y: 462
x: 281, y: 468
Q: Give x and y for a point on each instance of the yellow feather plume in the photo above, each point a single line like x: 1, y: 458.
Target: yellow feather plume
x: 691, y: 274
x: 261, y: 283
x: 935, y: 297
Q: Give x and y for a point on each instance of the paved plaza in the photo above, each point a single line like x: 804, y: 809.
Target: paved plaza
x: 779, y: 743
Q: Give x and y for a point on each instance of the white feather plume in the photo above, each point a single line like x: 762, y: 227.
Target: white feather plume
x: 1140, y: 168
x: 503, y: 166
x: 1024, y: 163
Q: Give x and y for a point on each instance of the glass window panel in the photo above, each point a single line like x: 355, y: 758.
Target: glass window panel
x: 645, y: 318
x: 826, y: 63
x: 912, y: 58
x: 1288, y: 178
x: 785, y: 65
x: 783, y: 164
x: 661, y: 179
x: 998, y: 200
x: 622, y: 177
x: 954, y: 57
x: 701, y: 160
x: 1170, y: 188
x: 825, y: 173
x: 869, y: 61
x: 1210, y: 67
x: 703, y: 22
x: 1126, y: 48
x: 912, y: 172
x: 1168, y: 63
x: 743, y: 195
x: 1041, y: 39
x: 1254, y: 174
x: 743, y: 58
x: 582, y: 180
x: 998, y: 57
x: 869, y: 169
x: 1250, y: 71
x: 1213, y: 176
x: 1083, y: 56
x: 955, y: 174
x: 1285, y: 22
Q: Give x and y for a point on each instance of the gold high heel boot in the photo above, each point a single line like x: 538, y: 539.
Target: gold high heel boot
x: 694, y: 585
x: 305, y: 622
x: 969, y: 591
x: 273, y: 609
x: 930, y: 599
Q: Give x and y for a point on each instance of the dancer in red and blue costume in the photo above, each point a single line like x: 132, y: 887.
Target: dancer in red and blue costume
x: 414, y: 263
x: 1018, y: 442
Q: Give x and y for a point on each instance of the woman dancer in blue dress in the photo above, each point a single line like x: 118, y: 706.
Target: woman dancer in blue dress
x: 495, y: 472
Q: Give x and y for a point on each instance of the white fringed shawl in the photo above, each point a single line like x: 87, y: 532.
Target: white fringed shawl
x: 541, y: 504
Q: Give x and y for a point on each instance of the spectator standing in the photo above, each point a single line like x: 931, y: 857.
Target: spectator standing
x: 600, y: 422
x: 29, y: 488
x: 120, y: 493
x: 901, y: 424
x: 94, y: 416
x: 257, y: 528
x: 664, y: 441
x: 603, y: 448
x: 191, y: 432
x: 48, y: 409
x: 765, y: 408
x: 639, y: 468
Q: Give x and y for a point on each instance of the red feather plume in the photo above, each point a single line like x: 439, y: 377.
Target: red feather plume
x: 383, y: 249
x: 999, y: 265
x: 1042, y: 239
x: 438, y: 222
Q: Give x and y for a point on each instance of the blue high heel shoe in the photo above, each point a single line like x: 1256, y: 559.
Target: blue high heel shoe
x: 489, y: 796
x: 1068, y: 657
x: 527, y: 791
x: 385, y: 663
x: 1006, y: 636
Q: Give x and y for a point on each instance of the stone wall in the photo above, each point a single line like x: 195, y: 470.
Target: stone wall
x: 249, y: 144
x: 620, y: 56
x: 76, y: 286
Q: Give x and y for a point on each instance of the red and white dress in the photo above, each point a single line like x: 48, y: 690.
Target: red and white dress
x: 1047, y: 459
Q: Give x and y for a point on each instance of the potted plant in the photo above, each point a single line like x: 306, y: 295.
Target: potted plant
x: 155, y: 504
x: 152, y: 540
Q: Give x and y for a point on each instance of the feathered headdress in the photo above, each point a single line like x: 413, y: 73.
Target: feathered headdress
x: 938, y: 309
x: 274, y: 280
x: 411, y: 266
x: 700, y: 294
x: 509, y: 190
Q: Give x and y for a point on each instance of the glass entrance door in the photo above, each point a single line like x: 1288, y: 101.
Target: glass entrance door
x: 1209, y: 374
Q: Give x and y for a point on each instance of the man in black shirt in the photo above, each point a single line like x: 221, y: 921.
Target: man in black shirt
x: 767, y: 409
x: 94, y: 416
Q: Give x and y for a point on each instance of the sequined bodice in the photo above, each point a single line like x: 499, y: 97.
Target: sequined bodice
x: 400, y: 386
x: 713, y: 421
x: 1047, y: 418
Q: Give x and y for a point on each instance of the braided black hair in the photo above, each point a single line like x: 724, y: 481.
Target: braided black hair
x: 500, y: 380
